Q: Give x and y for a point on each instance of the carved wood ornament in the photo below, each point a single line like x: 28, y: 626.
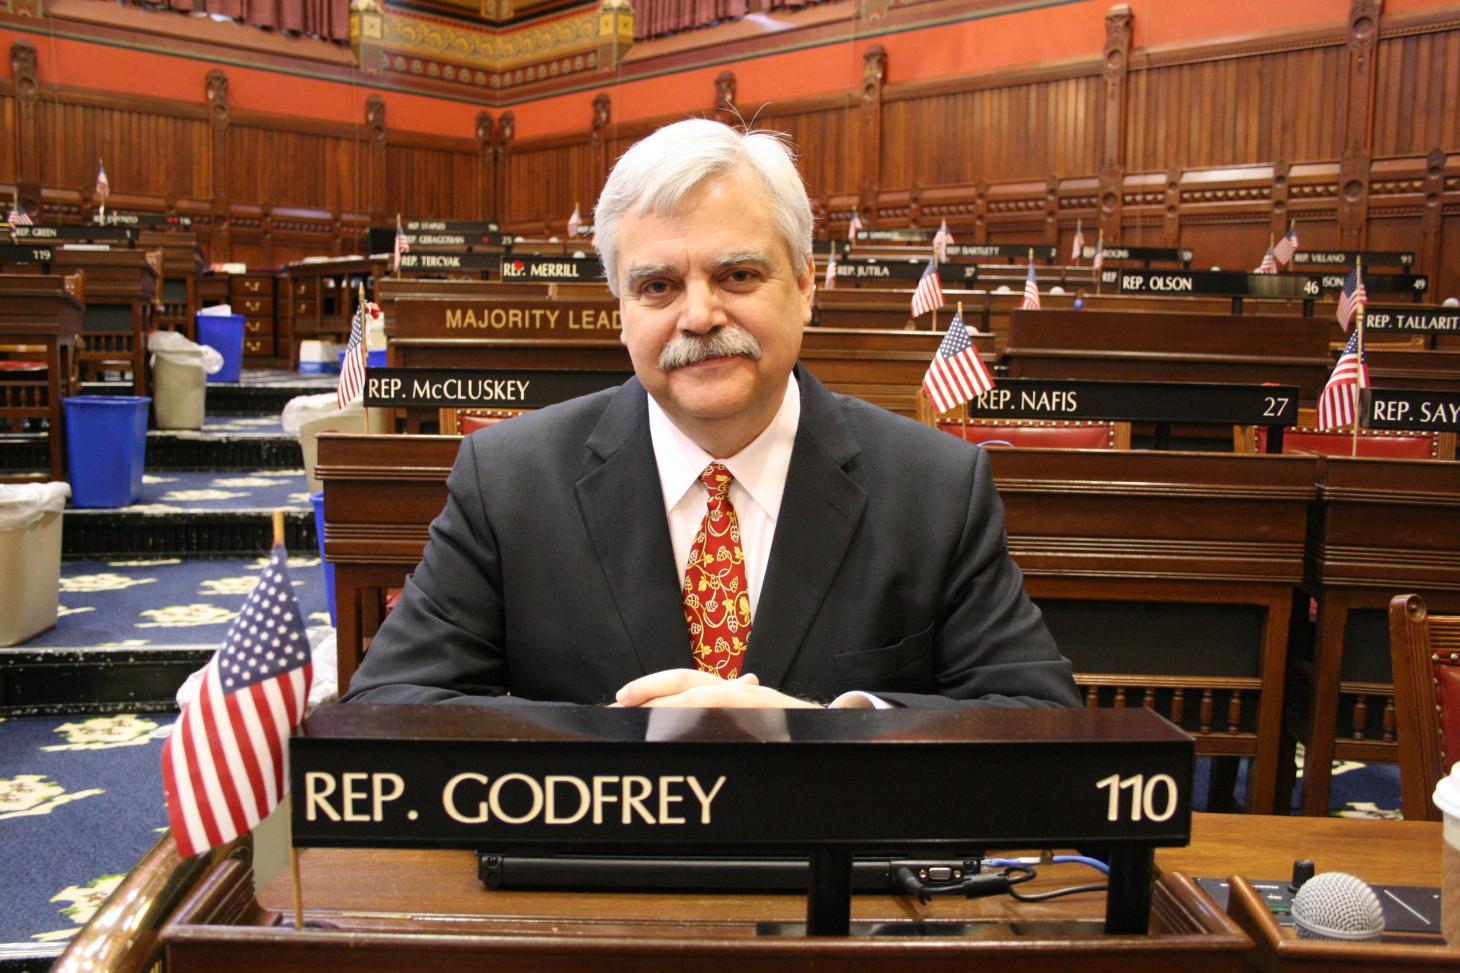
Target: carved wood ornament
x: 1119, y: 24
x: 874, y: 74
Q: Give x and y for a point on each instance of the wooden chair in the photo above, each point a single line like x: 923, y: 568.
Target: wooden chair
x: 1306, y: 437
x: 464, y: 422
x: 1040, y: 433
x: 1425, y: 652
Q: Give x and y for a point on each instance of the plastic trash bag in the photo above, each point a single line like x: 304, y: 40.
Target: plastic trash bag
x: 24, y: 504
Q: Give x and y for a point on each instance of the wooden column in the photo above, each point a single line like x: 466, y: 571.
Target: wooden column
x: 375, y: 160
x: 216, y: 92
x: 874, y: 73
x: 1358, y: 123
x: 27, y: 130
x: 486, y: 202
x: 1118, y: 28
x: 981, y: 211
x: 1171, y: 227
x: 1052, y: 210
x: 724, y: 106
x: 506, y: 128
x: 1429, y: 256
x: 598, y: 144
x: 1278, y: 221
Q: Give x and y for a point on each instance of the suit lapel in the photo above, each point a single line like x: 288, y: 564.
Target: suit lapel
x: 820, y: 511
x: 623, y: 508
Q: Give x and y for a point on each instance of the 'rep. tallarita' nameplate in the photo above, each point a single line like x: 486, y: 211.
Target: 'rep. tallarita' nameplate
x: 1070, y: 399
x: 1412, y: 320
x: 581, y: 778
x: 482, y: 388
x: 1418, y: 410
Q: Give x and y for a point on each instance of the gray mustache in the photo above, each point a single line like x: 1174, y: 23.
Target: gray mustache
x: 722, y: 343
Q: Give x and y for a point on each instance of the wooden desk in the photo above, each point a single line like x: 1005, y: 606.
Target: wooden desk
x: 319, y: 299
x: 182, y: 267
x: 121, y: 286
x: 400, y: 910
x: 44, y: 312
x: 1380, y: 528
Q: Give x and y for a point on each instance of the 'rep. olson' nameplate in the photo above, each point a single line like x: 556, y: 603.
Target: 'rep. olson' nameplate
x: 1219, y: 283
x: 1417, y: 410
x: 483, y: 388
x: 582, y: 778
x: 1041, y: 398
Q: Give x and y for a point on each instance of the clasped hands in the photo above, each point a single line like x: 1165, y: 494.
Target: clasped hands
x: 690, y: 687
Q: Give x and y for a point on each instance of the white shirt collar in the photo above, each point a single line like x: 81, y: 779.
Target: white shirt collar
x: 760, y: 468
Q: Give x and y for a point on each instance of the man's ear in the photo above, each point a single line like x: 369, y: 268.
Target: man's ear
x: 806, y: 284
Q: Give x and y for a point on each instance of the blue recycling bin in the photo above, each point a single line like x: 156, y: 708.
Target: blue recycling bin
x: 329, y: 569
x: 223, y: 333
x: 373, y: 359
x: 106, y: 447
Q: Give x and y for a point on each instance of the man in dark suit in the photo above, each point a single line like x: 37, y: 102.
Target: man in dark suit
x: 720, y: 530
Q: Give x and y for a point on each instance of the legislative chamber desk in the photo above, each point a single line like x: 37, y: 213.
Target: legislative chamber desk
x: 121, y: 286
x: 379, y: 910
x: 41, y: 314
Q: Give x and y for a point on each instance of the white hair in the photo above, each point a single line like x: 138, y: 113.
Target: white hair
x: 656, y: 174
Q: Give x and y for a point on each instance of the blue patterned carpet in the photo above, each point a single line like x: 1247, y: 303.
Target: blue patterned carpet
x: 174, y: 491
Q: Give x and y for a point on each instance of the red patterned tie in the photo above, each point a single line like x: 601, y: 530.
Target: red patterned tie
x: 716, y: 602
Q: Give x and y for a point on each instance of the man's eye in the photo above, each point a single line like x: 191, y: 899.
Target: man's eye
x: 741, y: 276
x: 654, y: 288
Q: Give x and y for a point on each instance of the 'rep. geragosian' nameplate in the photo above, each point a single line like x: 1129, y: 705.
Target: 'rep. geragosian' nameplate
x: 580, y: 778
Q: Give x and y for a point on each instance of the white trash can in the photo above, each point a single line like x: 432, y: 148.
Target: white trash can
x: 30, y: 558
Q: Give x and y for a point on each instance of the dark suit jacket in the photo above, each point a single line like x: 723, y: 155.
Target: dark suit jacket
x: 549, y: 575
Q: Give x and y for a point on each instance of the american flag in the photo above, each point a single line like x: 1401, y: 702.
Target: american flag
x: 1337, y: 406
x: 1099, y: 260
x: 854, y: 226
x: 1031, y: 290
x: 1287, y: 246
x: 956, y: 373
x: 352, y: 369
x: 400, y: 247
x: 941, y: 239
x: 1078, y: 250
x: 103, y: 187
x: 575, y: 222
x: 829, y: 281
x: 1268, y: 265
x: 1354, y: 294
x: 929, y: 293
x: 223, y: 765
x: 18, y: 216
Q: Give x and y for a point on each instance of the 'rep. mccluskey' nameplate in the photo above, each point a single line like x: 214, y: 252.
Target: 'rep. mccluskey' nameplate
x: 581, y: 778
x: 481, y: 388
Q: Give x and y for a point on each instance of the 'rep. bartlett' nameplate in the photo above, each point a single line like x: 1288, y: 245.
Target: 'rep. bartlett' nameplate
x: 1378, y: 258
x: 36, y: 253
x: 1039, y: 398
x: 1413, y: 409
x: 584, y: 778
x: 447, y: 262
x: 530, y: 267
x: 484, y: 388
x: 1415, y: 320
x: 1042, y: 251
x: 1221, y: 283
x: 84, y: 233
x: 1176, y: 254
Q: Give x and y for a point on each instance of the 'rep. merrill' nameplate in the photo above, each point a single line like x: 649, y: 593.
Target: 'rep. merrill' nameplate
x: 583, y: 778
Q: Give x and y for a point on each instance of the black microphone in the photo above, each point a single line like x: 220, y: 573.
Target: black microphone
x: 1336, y: 905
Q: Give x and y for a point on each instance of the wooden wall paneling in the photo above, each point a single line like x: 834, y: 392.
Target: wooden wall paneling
x: 828, y: 148
x: 276, y: 167
x: 429, y: 180
x: 586, y: 191
x: 485, y: 198
x: 27, y: 145
x: 1417, y: 92
x: 8, y: 126
x: 544, y: 178
x: 874, y: 74
x: 502, y: 150
x: 1119, y: 24
x: 1433, y: 214
x: 376, y: 160
x: 1358, y: 124
x: 216, y: 95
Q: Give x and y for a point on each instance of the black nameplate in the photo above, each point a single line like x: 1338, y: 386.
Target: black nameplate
x: 36, y: 253
x: 1140, y: 253
x: 483, y: 388
x: 381, y: 239
x: 1016, y: 250
x: 534, y: 267
x: 1380, y: 283
x: 1039, y: 398
x: 85, y: 233
x: 1416, y: 409
x: 1419, y: 320
x: 1220, y: 282
x: 1386, y: 258
x: 583, y: 778
x: 886, y: 269
x: 473, y: 228
x: 442, y: 262
x: 894, y: 236
x: 147, y: 220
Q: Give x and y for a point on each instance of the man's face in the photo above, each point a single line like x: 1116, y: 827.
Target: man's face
x: 700, y: 289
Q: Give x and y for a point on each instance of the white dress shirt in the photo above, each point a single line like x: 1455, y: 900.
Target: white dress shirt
x: 759, y: 472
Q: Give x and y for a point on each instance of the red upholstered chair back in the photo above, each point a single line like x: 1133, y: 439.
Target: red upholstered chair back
x: 1377, y: 443
x: 1066, y: 435
x: 470, y: 422
x: 464, y: 422
x: 1425, y: 652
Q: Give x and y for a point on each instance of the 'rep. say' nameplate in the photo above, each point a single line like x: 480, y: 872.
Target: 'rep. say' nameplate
x: 579, y: 778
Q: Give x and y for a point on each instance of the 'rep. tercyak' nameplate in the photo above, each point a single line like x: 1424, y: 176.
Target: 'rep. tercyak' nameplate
x: 583, y: 778
x: 482, y: 388
x: 1194, y: 402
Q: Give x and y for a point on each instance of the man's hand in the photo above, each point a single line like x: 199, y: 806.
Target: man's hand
x: 690, y: 687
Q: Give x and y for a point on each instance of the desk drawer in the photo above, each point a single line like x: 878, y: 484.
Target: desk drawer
x: 258, y: 326
x: 253, y: 346
x: 308, y: 288
x: 254, y: 306
x: 254, y: 286
x: 301, y: 309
